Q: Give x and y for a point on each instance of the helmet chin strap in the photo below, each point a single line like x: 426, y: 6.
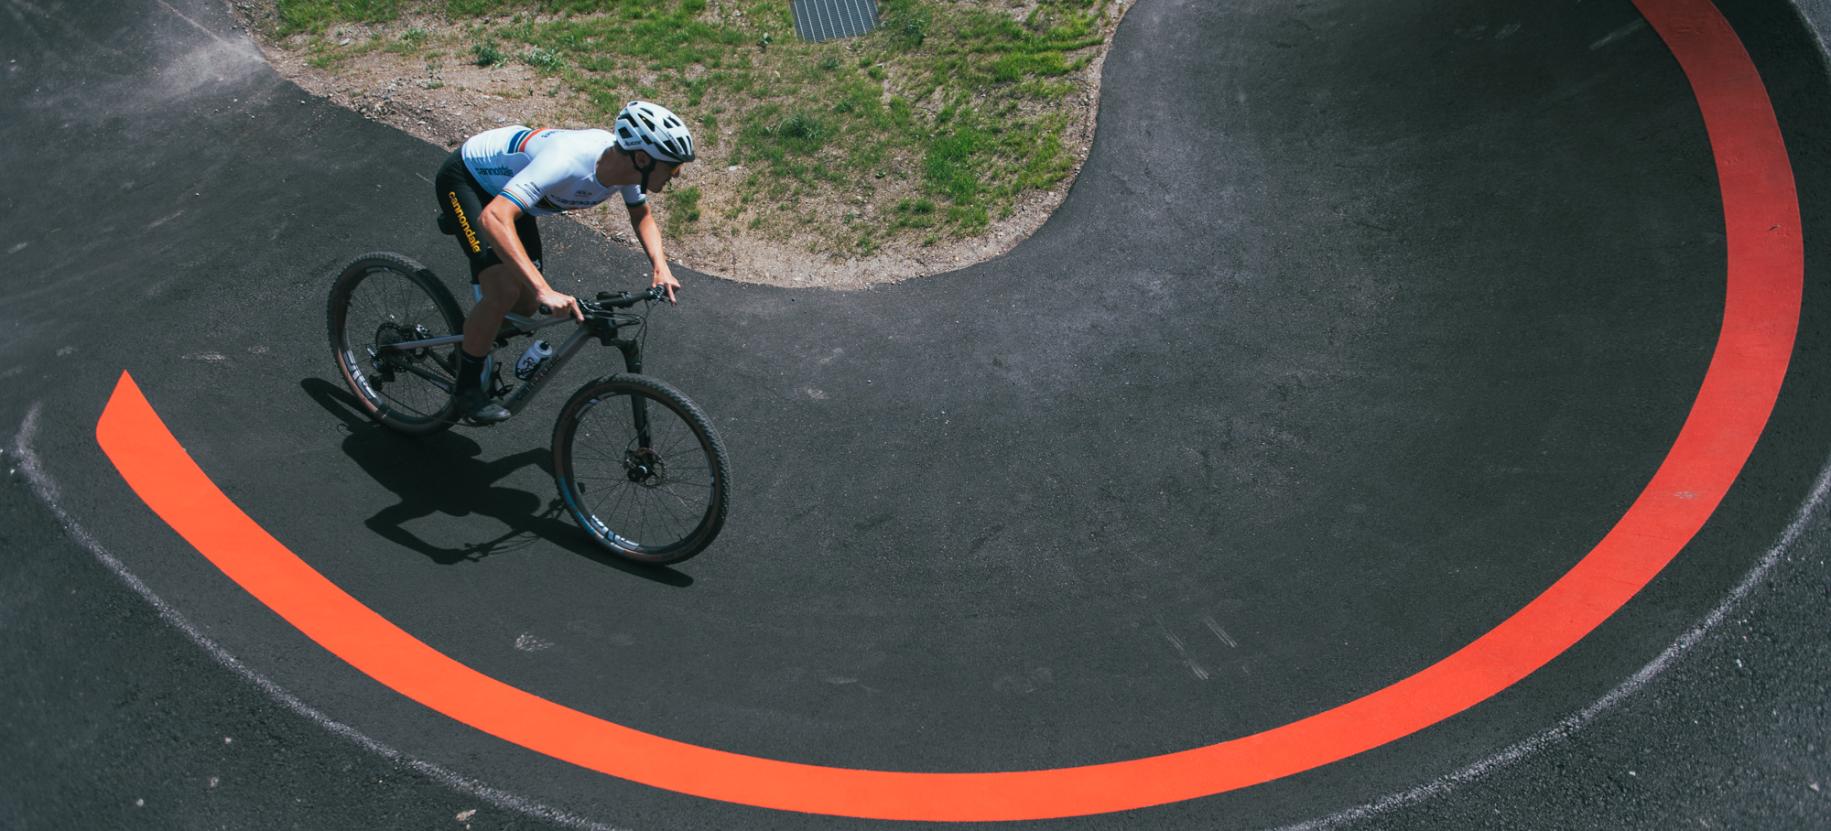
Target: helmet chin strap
x: 645, y: 171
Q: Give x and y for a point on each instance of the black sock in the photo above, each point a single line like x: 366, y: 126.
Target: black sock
x: 470, y: 372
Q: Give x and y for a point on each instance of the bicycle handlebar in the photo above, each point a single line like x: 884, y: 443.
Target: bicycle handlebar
x: 624, y: 300
x: 621, y: 300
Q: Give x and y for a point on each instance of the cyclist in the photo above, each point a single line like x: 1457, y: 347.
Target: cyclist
x: 493, y: 186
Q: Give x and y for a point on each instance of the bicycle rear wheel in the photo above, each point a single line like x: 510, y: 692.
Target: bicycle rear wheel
x: 382, y: 299
x: 641, y: 469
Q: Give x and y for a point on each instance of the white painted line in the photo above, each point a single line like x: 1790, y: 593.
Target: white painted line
x: 242, y: 45
x: 1811, y: 509
x: 1618, y: 34
x: 48, y: 493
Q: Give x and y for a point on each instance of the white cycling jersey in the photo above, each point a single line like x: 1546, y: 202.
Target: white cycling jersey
x: 544, y: 171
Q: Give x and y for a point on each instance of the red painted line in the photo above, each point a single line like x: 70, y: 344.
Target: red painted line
x: 1761, y: 315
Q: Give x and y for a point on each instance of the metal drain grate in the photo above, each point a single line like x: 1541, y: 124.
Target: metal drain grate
x: 819, y: 20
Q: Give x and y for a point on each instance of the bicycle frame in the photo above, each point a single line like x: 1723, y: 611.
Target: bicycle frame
x: 604, y: 329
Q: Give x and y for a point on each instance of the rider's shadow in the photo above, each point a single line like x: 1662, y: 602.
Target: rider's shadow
x: 441, y: 474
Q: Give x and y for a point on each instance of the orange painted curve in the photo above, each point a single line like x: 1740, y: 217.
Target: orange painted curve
x: 1765, y: 271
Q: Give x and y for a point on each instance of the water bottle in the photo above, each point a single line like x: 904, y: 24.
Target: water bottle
x: 537, y: 354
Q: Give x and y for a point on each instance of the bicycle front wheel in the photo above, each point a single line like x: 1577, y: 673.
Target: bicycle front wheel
x: 383, y: 299
x: 641, y: 469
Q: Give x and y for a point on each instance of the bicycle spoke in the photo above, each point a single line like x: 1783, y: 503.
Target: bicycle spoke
x: 665, y: 506
x: 383, y: 301
x: 658, y: 490
x: 619, y: 495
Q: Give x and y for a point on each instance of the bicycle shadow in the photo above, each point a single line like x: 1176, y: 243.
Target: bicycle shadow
x: 441, y: 474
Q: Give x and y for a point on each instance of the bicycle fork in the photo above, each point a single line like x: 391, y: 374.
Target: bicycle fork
x: 643, y: 464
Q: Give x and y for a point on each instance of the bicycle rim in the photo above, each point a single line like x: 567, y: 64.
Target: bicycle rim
x: 383, y: 305
x: 654, y: 496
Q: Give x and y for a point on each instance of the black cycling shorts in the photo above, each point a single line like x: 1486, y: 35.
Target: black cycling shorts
x: 461, y: 201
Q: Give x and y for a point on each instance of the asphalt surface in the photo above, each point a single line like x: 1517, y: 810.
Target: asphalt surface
x: 1362, y: 324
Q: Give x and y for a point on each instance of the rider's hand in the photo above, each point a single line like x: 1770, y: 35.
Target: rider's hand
x: 665, y: 277
x: 558, y: 303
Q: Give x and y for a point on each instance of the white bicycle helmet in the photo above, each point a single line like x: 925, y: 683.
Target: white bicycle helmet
x: 654, y: 130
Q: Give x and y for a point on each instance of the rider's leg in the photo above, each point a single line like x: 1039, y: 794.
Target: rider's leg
x: 460, y: 200
x: 502, y: 291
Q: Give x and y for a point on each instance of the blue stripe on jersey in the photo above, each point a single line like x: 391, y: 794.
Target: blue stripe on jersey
x: 516, y: 141
x: 511, y: 197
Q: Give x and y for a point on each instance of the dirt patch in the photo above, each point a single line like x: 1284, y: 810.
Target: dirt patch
x: 447, y: 98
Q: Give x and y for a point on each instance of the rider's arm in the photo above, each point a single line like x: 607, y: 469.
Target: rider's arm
x: 643, y: 221
x: 499, y: 225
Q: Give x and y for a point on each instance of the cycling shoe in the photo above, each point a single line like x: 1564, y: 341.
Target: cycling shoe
x: 480, y: 409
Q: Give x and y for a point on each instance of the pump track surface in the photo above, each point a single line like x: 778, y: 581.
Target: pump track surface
x: 1417, y: 416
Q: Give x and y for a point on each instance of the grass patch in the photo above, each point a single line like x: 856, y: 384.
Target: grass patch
x: 914, y: 213
x: 772, y: 136
x: 487, y: 54
x: 943, y: 117
x: 682, y: 210
x: 544, y: 59
x: 950, y: 167
x: 317, y: 15
x: 410, y: 42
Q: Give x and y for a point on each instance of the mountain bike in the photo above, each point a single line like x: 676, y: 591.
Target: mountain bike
x: 637, y: 463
